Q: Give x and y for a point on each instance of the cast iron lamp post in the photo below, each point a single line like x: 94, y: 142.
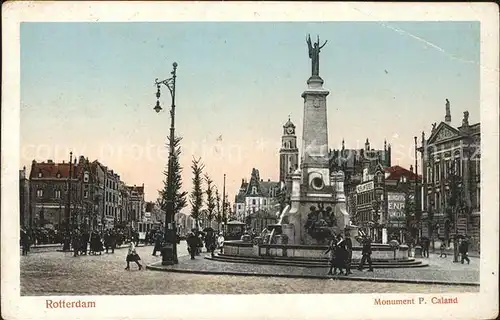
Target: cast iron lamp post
x: 169, y: 251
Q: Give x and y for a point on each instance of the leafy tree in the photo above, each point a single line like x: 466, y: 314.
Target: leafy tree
x: 211, y: 198
x: 179, y: 197
x: 196, y: 196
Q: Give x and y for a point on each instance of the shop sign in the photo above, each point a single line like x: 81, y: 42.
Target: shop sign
x: 365, y: 187
x: 395, y: 205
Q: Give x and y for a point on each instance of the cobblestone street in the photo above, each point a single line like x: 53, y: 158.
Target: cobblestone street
x: 58, y: 273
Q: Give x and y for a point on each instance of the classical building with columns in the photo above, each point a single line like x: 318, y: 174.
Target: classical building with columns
x: 451, y: 158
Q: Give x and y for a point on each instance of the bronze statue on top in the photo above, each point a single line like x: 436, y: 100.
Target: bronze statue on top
x: 314, y: 51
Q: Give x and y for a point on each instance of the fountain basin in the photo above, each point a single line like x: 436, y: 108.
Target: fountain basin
x: 244, y: 249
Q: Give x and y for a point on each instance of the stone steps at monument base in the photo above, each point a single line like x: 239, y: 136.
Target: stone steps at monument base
x: 313, y: 259
x: 314, y: 264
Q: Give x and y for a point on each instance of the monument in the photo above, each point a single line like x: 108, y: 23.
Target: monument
x: 317, y: 201
x: 317, y: 206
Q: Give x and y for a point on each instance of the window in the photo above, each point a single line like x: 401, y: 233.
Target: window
x: 58, y: 194
x: 254, y: 190
x: 253, y: 201
x: 39, y: 193
x: 39, y: 175
x: 264, y: 202
x: 86, y: 177
x: 85, y: 194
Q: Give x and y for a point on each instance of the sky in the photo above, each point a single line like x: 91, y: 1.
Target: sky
x: 89, y: 88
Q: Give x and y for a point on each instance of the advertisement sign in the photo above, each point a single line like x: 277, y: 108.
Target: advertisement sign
x: 365, y: 187
x: 396, y: 205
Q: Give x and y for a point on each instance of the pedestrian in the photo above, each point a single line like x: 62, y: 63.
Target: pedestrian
x: 84, y: 239
x: 132, y: 256
x: 442, y: 249
x: 25, y: 242
x: 341, y: 254
x: 463, y: 248
x: 210, y: 242
x: 192, y: 242
x: 425, y: 247
x: 348, y: 247
x: 220, y: 241
x: 75, y: 242
x: 158, y: 243
x: 366, y: 253
x: 332, y: 250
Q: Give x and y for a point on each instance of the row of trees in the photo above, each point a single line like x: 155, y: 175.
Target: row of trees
x: 203, y: 194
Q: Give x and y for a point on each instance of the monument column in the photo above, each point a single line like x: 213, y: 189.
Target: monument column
x: 314, y: 162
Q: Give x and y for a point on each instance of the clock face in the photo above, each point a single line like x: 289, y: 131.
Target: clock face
x: 289, y: 130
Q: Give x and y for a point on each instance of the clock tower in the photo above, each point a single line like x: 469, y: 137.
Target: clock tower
x: 289, y: 154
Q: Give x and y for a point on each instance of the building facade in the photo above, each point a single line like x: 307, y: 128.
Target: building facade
x: 137, y: 203
x: 24, y: 198
x: 99, y: 199
x: 381, y: 202
x: 51, y: 205
x: 256, y: 195
x: 451, y: 158
x: 358, y: 165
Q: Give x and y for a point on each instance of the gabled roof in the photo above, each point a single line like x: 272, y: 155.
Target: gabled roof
x: 139, y: 189
x: 443, y: 132
x: 396, y: 172
x: 52, y: 170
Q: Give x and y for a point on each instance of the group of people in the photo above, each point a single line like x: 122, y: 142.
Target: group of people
x: 340, y: 250
x: 197, y: 239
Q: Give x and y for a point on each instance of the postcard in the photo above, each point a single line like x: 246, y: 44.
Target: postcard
x: 246, y: 160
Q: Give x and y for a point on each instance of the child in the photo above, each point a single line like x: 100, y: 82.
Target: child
x: 132, y: 256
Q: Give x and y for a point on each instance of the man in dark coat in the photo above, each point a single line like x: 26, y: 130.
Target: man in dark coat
x: 192, y: 242
x: 25, y: 242
x: 75, y: 242
x: 348, y: 247
x: 463, y: 249
x: 158, y: 243
x: 366, y: 254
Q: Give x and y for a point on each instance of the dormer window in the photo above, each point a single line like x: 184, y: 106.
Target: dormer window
x: 58, y: 194
x: 39, y: 193
x: 58, y: 175
x: 254, y: 190
x: 40, y: 174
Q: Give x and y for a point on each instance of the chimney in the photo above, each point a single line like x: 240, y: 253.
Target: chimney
x: 268, y: 180
x: 447, y: 117
x: 50, y: 161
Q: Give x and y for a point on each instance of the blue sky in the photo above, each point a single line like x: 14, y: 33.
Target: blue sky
x: 89, y: 87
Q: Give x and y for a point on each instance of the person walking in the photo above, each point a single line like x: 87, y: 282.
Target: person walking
x: 366, y: 252
x: 442, y: 249
x: 75, y: 242
x: 210, y: 242
x: 348, y: 247
x: 332, y: 250
x: 192, y: 242
x: 220, y: 241
x: 463, y: 248
x: 25, y: 242
x: 158, y: 242
x: 341, y: 254
x: 132, y: 256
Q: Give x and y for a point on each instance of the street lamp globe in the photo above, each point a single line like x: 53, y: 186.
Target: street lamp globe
x: 157, y: 108
x: 174, y: 64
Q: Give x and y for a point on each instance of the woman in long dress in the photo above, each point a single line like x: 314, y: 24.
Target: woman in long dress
x: 132, y: 256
